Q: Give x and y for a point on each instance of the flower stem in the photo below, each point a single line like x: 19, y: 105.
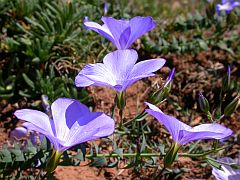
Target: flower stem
x: 209, y: 116
x: 155, y: 154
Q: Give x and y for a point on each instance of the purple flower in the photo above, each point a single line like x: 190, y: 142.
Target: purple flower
x: 118, y: 70
x: 182, y: 133
x: 122, y: 33
x: 22, y: 133
x: 106, y: 7
x: 72, y: 123
x: 227, y: 172
x: 85, y: 19
x: 229, y: 73
x: 170, y: 78
x: 227, y: 6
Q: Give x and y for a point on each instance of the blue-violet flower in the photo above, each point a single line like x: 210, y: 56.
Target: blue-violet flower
x: 118, y: 70
x: 122, y: 33
x: 72, y: 123
x: 227, y: 6
x: 182, y: 133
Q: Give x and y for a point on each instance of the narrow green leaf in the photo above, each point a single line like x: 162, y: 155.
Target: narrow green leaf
x: 28, y: 81
x: 119, y: 152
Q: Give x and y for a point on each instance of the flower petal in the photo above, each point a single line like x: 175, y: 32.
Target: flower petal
x: 117, y: 27
x: 173, y: 125
x: 121, y: 62
x: 124, y: 38
x: 144, y: 68
x: 113, y: 72
x: 18, y: 133
x: 65, y: 113
x: 139, y: 26
x: 51, y: 138
x: 37, y: 118
x: 102, y: 30
x: 98, y: 125
x: 205, y: 131
x: 95, y: 75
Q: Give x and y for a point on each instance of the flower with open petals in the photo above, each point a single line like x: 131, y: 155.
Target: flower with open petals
x: 227, y: 172
x: 227, y: 6
x: 182, y: 133
x: 122, y: 33
x: 118, y: 70
x: 72, y: 123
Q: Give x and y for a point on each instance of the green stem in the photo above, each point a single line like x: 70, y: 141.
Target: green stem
x: 194, y: 146
x: 209, y: 116
x: 202, y: 154
x: 143, y: 114
x: 121, y: 118
x: 155, y: 154
x: 113, y: 109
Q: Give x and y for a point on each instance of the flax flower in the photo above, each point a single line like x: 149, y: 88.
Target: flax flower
x: 118, y: 70
x: 227, y: 6
x: 72, y: 123
x: 122, y: 33
x: 182, y: 133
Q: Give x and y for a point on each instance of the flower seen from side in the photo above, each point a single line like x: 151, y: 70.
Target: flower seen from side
x: 122, y: 33
x: 118, y: 70
x: 182, y: 133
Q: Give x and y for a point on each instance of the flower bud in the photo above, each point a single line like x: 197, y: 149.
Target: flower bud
x: 171, y: 155
x: 203, y: 103
x: 85, y: 19
x: 226, y: 84
x: 232, y: 19
x: 232, y: 106
x: 210, y: 10
x: 106, y: 7
x: 161, y: 94
x: 53, y: 161
x: 120, y: 100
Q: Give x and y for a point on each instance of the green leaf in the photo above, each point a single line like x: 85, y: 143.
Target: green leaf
x: 113, y: 164
x: 79, y: 156
x: 235, y: 166
x: 214, y: 163
x: 202, y: 44
x: 222, y: 45
x: 144, y: 143
x: 5, y: 156
x: 119, y: 152
x: 18, y: 154
x: 30, y: 148
x: 28, y: 81
x: 162, y: 149
x: 99, y: 162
